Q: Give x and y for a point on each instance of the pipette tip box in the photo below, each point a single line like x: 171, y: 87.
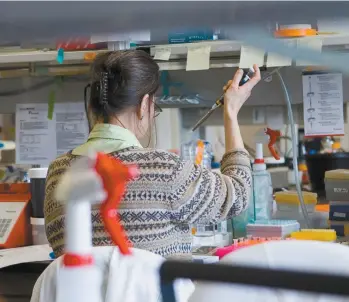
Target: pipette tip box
x: 272, y: 228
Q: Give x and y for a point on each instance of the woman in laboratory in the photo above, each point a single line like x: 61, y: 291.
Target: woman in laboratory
x: 170, y: 194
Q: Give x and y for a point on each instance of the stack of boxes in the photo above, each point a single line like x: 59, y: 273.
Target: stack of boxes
x: 337, y: 194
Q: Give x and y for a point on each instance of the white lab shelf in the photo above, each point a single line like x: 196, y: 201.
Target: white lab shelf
x: 216, y: 47
x: 214, y: 63
x: 223, y: 53
x: 40, y: 56
x: 223, y: 46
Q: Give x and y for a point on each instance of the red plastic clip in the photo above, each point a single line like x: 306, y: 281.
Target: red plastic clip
x: 114, y: 175
x: 273, y: 135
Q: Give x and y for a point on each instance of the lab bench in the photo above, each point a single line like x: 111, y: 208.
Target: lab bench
x: 17, y: 281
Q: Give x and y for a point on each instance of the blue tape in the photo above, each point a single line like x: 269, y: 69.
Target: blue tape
x: 60, y: 56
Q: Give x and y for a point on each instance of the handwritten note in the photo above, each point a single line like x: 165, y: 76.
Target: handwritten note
x: 162, y: 54
x: 250, y: 55
x: 198, y: 58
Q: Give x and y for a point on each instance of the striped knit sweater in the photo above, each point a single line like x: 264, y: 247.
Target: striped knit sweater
x: 158, y: 207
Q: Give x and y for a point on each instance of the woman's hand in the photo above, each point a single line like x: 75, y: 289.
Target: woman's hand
x: 235, y: 95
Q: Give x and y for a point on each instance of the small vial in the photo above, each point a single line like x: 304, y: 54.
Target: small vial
x: 246, y: 76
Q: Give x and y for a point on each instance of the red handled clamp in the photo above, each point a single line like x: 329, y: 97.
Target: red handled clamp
x: 273, y: 137
x: 114, y: 175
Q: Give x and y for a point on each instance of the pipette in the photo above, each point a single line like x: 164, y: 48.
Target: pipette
x: 220, y: 101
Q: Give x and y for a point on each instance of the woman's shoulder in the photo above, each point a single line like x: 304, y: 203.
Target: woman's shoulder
x: 130, y: 155
x: 63, y: 160
x: 147, y: 155
x: 61, y: 163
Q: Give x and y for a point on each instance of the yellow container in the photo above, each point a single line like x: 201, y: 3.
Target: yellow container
x: 317, y: 235
x: 337, y: 185
x: 291, y: 197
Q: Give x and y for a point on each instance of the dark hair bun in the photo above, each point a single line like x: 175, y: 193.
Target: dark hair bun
x: 120, y: 79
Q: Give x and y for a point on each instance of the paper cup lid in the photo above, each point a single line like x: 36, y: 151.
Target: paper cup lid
x: 37, y: 221
x: 37, y: 173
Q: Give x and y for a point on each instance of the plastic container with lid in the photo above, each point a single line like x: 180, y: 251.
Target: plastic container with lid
x: 272, y: 228
x: 337, y: 185
x: 318, y: 235
x: 200, y: 152
x: 289, y: 201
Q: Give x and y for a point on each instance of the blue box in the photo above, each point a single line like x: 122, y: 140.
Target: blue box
x: 339, y: 211
x: 190, y: 36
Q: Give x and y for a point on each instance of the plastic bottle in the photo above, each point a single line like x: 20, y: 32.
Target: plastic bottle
x: 262, y: 191
x: 262, y: 185
x: 200, y: 152
x: 261, y: 202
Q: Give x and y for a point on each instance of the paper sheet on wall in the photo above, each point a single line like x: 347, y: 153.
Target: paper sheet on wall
x: 40, y: 140
x: 198, y: 58
x: 276, y: 60
x: 310, y: 43
x: 35, y: 143
x: 323, y: 104
x: 162, y: 54
x: 251, y: 55
x: 71, y: 126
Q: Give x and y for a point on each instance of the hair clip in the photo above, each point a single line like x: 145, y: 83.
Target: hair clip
x: 104, y: 93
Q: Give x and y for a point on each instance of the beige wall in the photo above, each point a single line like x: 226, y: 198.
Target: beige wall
x: 215, y: 135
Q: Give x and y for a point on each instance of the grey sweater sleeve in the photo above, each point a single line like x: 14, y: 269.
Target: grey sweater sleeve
x: 209, y: 197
